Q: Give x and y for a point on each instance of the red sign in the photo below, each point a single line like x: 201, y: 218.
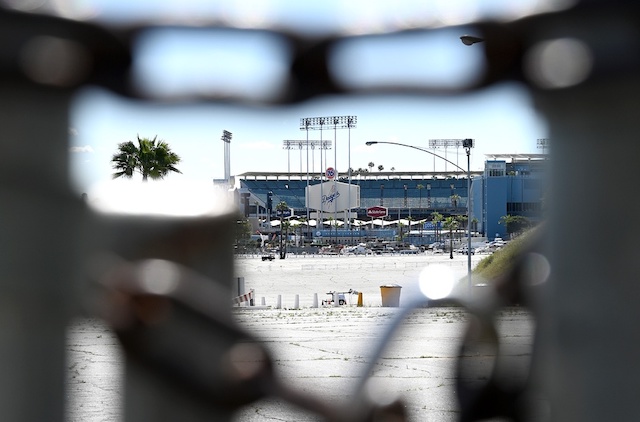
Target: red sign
x: 331, y: 173
x: 377, y: 212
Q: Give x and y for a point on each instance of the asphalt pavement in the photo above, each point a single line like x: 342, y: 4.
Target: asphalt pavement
x: 320, y: 351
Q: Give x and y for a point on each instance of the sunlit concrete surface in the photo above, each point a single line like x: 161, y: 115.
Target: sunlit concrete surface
x: 322, y: 351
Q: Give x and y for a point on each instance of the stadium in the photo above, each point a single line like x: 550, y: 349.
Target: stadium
x: 510, y: 184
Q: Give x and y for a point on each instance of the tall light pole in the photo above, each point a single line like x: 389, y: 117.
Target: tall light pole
x: 338, y: 122
x: 467, y: 144
x: 351, y: 123
x: 300, y: 144
x: 226, y: 138
x: 543, y: 143
x: 436, y: 143
x: 305, y: 124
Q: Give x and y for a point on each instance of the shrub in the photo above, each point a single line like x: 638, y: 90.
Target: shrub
x: 501, y: 261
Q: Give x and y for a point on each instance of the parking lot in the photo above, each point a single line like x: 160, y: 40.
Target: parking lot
x: 306, y: 275
x: 324, y: 352
x: 320, y: 351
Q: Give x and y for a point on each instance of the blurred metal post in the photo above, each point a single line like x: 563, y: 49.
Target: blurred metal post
x: 590, y: 325
x: 41, y: 225
x: 201, y: 244
x: 47, y: 234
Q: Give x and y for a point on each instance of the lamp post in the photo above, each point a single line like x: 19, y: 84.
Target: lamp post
x: 451, y: 225
x: 467, y: 144
x: 470, y: 39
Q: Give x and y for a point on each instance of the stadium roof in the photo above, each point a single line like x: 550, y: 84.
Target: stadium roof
x: 517, y: 157
x: 372, y: 175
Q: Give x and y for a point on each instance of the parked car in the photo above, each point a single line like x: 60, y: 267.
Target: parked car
x: 465, y: 250
x: 484, y: 249
x: 342, y: 299
x: 360, y: 249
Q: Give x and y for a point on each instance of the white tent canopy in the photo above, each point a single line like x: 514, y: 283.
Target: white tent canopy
x: 408, y: 222
x: 383, y: 223
x: 333, y: 223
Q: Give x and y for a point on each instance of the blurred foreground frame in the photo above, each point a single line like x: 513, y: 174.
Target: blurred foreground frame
x: 587, y: 341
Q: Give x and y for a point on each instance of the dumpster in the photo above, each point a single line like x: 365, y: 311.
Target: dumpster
x: 390, y: 295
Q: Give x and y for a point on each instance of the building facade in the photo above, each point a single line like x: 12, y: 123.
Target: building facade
x: 508, y: 185
x: 511, y: 185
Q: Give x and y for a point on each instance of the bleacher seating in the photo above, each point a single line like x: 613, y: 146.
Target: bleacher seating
x: 388, y: 192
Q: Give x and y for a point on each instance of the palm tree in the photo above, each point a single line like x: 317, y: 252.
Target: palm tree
x: 282, y: 207
x: 286, y: 226
x: 436, y: 217
x: 304, y: 222
x: 400, y: 227
x: 514, y: 223
x: 462, y: 220
x: 380, y: 167
x: 331, y: 221
x: 150, y: 159
x: 370, y: 165
x: 409, y: 220
x: 454, y: 200
x: 451, y: 224
x: 420, y: 186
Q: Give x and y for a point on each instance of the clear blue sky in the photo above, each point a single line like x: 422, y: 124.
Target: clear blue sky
x: 501, y: 120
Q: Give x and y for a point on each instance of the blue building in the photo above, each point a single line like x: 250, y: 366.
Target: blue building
x: 512, y: 184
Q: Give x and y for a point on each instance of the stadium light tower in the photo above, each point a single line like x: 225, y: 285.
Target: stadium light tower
x: 467, y: 144
x: 436, y: 143
x: 320, y: 123
x: 344, y: 122
x: 543, y: 143
x: 226, y: 138
x: 299, y: 144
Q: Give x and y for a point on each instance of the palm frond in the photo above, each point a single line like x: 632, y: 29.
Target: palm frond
x: 151, y: 158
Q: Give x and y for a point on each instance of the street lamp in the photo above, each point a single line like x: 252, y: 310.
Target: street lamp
x: 451, y: 225
x: 470, y: 39
x: 467, y: 144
